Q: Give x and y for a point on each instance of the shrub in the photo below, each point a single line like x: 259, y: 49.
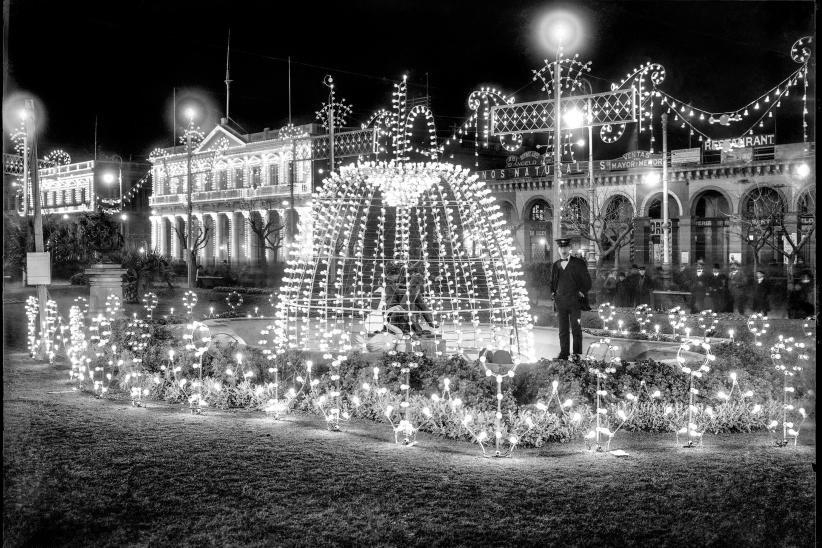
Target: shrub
x: 80, y: 278
x: 525, y: 396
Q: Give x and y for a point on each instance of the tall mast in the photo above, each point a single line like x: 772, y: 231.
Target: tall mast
x: 227, y: 77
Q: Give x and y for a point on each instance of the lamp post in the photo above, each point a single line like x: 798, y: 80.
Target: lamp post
x: 559, y: 33
x: 108, y: 179
x: 190, y: 114
x: 329, y: 82
x: 666, y: 222
x: 28, y: 116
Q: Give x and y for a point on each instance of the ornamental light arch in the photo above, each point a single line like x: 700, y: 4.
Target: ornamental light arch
x: 388, y: 251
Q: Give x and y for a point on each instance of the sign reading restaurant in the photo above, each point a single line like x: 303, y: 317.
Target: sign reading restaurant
x: 741, y: 142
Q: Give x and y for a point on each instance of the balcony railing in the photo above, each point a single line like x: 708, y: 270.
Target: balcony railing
x: 261, y: 192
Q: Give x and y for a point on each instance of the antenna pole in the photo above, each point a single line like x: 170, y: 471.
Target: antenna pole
x: 227, y: 77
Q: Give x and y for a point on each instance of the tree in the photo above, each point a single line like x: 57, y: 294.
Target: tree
x: 607, y: 223
x: 140, y: 269
x: 200, y: 236
x: 270, y: 232
x: 765, y: 222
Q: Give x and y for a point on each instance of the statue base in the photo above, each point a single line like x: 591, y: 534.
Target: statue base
x: 104, y: 280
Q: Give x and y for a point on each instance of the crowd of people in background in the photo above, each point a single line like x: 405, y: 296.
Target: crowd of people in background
x: 735, y: 289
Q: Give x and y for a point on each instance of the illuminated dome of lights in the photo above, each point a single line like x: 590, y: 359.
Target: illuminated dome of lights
x: 404, y: 252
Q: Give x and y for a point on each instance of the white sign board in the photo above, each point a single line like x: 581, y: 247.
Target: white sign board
x: 38, y: 268
x: 686, y: 156
x: 684, y: 257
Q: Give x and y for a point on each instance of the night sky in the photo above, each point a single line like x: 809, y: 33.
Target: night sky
x: 120, y: 60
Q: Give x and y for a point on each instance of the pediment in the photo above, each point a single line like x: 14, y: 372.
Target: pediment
x: 220, y: 138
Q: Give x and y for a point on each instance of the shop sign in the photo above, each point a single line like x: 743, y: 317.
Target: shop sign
x: 528, y: 158
x: 731, y: 156
x: 633, y: 159
x: 686, y: 156
x: 741, y: 142
x: 711, y: 222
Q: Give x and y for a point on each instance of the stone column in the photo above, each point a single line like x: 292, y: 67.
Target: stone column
x: 173, y: 241
x: 685, y: 240
x: 234, y: 229
x: 155, y: 224
x: 249, y: 253
x: 218, y: 237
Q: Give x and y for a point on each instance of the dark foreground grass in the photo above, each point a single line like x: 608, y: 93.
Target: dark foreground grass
x: 84, y: 472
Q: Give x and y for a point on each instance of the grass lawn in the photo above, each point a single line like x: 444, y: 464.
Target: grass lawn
x: 84, y: 472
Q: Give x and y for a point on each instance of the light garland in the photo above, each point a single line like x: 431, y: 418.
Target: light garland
x: 58, y: 157
x: 758, y: 325
x: 439, y: 201
x: 690, y: 429
x: 780, y: 351
x: 606, y: 312
x: 32, y: 312
x: 707, y: 322
x: 677, y: 319
x: 190, y: 301
x: 198, y: 340
x: 150, y: 303
x: 643, y: 314
x: 234, y: 300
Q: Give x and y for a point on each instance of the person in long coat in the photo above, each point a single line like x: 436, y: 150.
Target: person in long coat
x: 643, y: 285
x: 718, y: 289
x: 570, y: 283
x: 738, y: 283
x: 761, y: 293
x: 699, y: 289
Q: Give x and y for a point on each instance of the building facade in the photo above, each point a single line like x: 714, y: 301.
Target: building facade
x: 709, y: 192
x: 79, y: 187
x: 251, y: 193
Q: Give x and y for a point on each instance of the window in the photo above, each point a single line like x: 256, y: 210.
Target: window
x: 538, y: 212
x: 222, y: 179
x: 82, y: 195
x: 256, y: 172
x: 238, y: 177
x: 274, y: 174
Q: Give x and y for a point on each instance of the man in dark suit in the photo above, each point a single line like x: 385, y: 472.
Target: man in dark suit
x: 570, y: 283
x: 644, y: 286
x: 633, y: 286
x: 761, y: 294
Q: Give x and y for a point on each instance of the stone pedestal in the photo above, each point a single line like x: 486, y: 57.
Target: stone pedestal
x: 105, y: 280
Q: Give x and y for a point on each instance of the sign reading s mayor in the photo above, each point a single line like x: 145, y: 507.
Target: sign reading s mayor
x: 635, y: 158
x: 741, y: 142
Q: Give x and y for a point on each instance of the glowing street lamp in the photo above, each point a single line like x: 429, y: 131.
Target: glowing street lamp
x: 573, y: 118
x: 191, y: 113
x: 803, y: 170
x: 559, y: 29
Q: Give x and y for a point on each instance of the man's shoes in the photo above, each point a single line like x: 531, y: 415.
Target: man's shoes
x: 563, y: 357
x: 575, y: 357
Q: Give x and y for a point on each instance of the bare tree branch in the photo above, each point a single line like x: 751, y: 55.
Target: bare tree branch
x: 608, y: 222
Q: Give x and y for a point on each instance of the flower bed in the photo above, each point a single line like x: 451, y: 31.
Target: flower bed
x: 543, y: 402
